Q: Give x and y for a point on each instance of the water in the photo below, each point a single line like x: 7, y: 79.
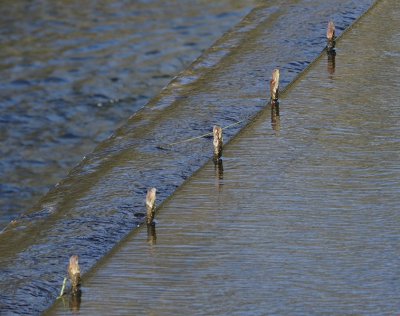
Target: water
x: 70, y: 75
x: 302, y: 219
x: 101, y: 199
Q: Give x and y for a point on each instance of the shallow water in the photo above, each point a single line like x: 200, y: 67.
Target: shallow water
x: 101, y: 199
x: 303, y: 216
x: 71, y: 74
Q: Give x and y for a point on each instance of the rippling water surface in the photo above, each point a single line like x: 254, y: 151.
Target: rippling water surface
x: 71, y: 73
x: 301, y: 216
x: 101, y: 199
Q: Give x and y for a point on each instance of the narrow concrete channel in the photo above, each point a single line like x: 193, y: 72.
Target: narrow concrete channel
x: 301, y: 217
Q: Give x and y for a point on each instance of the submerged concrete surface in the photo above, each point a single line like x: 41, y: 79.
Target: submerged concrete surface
x: 301, y: 220
x: 94, y: 206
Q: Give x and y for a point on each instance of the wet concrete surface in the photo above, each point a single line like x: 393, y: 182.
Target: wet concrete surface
x: 95, y: 205
x: 300, y: 218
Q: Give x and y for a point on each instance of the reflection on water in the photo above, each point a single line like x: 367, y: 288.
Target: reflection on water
x: 306, y: 223
x: 275, y: 118
x: 75, y: 300
x: 71, y: 75
x: 151, y: 234
x: 331, y: 61
x: 218, y: 173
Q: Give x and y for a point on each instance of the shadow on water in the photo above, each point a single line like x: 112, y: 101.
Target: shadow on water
x: 94, y: 207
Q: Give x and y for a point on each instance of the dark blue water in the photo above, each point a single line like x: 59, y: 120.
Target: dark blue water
x: 70, y: 74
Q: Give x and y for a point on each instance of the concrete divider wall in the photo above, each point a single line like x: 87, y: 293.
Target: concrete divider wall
x: 90, y: 210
